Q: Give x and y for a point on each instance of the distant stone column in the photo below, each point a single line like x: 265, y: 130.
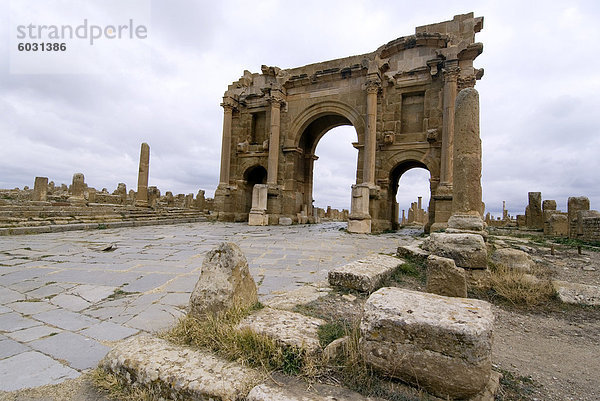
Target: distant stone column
x: 373, y: 86
x: 77, y: 189
x: 535, y: 215
x: 226, y: 144
x: 141, y: 198
x: 40, y: 189
x: 467, y: 199
x: 450, y: 87
x: 273, y: 162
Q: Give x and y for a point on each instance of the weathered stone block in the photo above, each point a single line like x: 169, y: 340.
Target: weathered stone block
x: 574, y: 293
x: 440, y: 343
x: 287, y: 328
x: 225, y: 281
x: 365, y: 275
x: 467, y: 250
x: 535, y: 210
x: 574, y: 205
x: 285, y: 221
x: 558, y: 225
x: 179, y: 372
x: 444, y: 278
x: 513, y: 259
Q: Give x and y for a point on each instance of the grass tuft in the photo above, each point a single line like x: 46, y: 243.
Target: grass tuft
x: 115, y: 389
x: 519, y: 288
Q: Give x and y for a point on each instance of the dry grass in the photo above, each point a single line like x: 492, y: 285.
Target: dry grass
x: 219, y: 334
x: 115, y: 389
x: 521, y: 289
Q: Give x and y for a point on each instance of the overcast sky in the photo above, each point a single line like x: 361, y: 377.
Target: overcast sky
x: 540, y: 102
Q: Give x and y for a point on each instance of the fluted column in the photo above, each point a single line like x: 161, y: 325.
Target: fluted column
x: 373, y: 86
x: 450, y: 89
x: 273, y: 162
x: 226, y: 144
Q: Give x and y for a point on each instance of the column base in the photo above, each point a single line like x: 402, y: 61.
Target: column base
x: 361, y: 226
x: 258, y: 218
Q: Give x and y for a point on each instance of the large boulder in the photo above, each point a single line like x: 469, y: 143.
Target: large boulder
x: 225, y: 281
x: 444, y: 278
x: 441, y: 344
x: 513, y: 259
x: 467, y: 250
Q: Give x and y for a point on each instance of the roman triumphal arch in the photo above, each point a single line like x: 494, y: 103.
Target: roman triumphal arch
x: 400, y: 99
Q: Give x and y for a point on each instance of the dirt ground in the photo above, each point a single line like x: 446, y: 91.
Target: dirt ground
x: 546, y: 352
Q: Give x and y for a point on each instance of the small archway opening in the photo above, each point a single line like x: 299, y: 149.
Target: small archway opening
x: 411, y: 194
x: 254, y: 175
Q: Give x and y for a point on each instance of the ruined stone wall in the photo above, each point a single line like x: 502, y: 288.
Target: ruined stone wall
x: 590, y: 229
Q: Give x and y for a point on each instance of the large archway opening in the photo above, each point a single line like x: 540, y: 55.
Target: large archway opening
x: 252, y: 176
x: 329, y: 162
x: 410, y: 193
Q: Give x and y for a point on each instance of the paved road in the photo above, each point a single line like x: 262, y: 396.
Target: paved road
x: 64, y: 297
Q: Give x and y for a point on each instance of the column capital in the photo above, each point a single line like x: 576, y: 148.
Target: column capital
x: 229, y: 103
x: 373, y: 84
x: 451, y: 71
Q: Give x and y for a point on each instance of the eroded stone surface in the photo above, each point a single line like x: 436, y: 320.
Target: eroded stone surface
x: 288, y: 328
x: 444, y: 278
x: 301, y: 392
x: 364, y: 275
x: 442, y: 344
x: 513, y: 259
x: 225, y: 281
x: 574, y: 293
x: 179, y: 371
x: 467, y: 250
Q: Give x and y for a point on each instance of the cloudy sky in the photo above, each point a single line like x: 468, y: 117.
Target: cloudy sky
x: 540, y: 108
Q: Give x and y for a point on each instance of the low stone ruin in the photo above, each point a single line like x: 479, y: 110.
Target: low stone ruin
x: 416, y: 214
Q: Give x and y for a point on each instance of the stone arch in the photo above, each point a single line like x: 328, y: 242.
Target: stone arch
x: 325, y: 109
x: 254, y: 174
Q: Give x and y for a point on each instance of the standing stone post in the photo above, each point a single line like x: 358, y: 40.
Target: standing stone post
x: 77, y: 189
x: 574, y: 205
x: 142, y: 188
x: 466, y: 200
x: 40, y: 189
x: 258, y: 214
x: 535, y: 216
x: 359, y: 220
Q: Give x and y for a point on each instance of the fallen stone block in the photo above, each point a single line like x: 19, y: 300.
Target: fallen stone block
x: 365, y: 275
x: 513, y: 259
x: 286, y: 389
x: 287, y: 328
x: 444, y: 278
x: 225, y: 281
x: 467, y: 250
x: 178, y: 372
x: 441, y: 344
x: 574, y: 293
x: 301, y: 296
x: 412, y: 251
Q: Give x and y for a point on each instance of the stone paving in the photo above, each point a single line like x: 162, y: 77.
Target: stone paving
x: 64, y: 297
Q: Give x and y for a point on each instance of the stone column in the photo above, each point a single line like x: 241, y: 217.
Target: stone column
x: 77, y: 189
x: 373, y: 85
x: 466, y: 199
x: 536, y: 220
x: 141, y: 198
x: 40, y: 189
x: 226, y: 144
x: 310, y: 165
x: 450, y: 88
x: 273, y: 162
x: 574, y: 205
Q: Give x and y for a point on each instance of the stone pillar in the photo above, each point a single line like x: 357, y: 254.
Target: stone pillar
x: 122, y: 192
x: 359, y: 220
x: 536, y: 220
x: 91, y: 195
x: 153, y: 196
x: 200, y: 200
x: 450, y: 87
x: 258, y: 213
x: 466, y: 197
x: 77, y: 189
x: 226, y: 144
x: 40, y: 189
x: 373, y: 85
x: 141, y: 198
x: 574, y: 205
x: 273, y: 162
x: 310, y: 165
x: 504, y: 211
